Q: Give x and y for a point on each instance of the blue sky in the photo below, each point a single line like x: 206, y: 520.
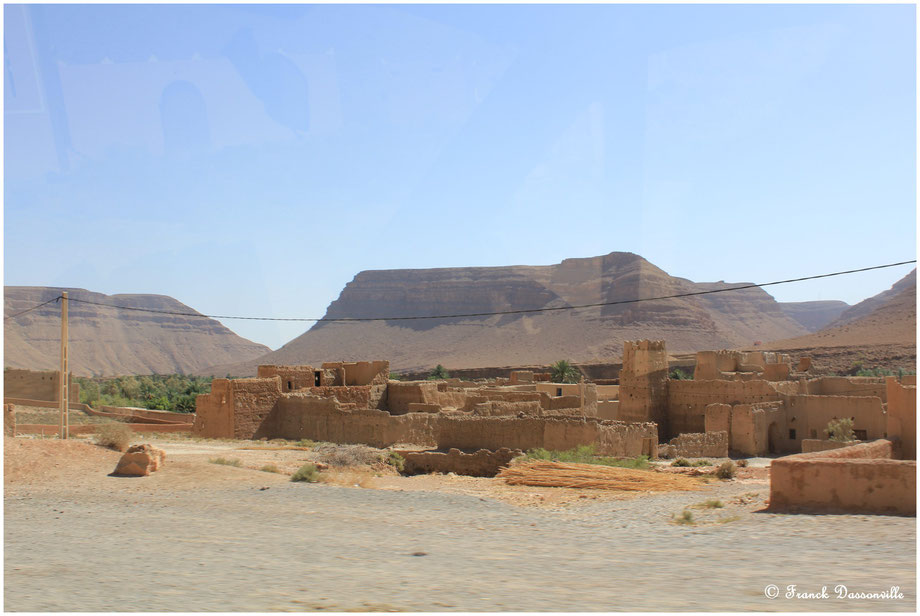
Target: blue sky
x: 252, y: 159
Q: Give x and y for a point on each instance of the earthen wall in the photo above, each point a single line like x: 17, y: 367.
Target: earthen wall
x: 901, y: 419
x: 857, y: 479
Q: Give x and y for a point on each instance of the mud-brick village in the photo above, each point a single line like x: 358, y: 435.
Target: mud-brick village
x: 469, y: 308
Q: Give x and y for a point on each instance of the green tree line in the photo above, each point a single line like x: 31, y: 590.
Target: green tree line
x: 167, y: 392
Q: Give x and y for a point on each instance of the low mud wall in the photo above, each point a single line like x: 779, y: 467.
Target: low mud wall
x: 46, y: 404
x: 483, y: 463
x: 54, y: 430
x: 857, y: 479
x: 697, y: 445
x: 810, y: 445
x: 609, y: 438
x: 297, y: 417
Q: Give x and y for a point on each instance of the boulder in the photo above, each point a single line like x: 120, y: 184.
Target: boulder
x: 140, y: 461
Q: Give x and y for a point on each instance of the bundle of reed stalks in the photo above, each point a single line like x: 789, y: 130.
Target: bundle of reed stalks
x: 593, y: 476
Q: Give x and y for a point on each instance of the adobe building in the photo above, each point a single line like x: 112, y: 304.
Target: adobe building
x: 355, y: 402
x: 43, y: 385
x: 764, y: 404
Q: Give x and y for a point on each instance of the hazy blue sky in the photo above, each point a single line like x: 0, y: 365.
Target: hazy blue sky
x: 251, y: 160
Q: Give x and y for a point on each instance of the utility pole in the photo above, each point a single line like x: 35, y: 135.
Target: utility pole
x: 63, y: 380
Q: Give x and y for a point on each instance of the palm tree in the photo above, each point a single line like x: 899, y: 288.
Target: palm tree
x: 564, y: 372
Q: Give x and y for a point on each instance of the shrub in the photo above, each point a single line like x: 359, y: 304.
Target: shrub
x: 681, y: 462
x: 115, y: 436
x: 226, y: 461
x: 439, y: 373
x: 307, y: 473
x: 348, y: 455
x: 679, y: 375
x: 726, y: 470
x: 840, y: 430
x: 741, y: 463
x: 713, y: 504
x: 270, y: 468
x: 701, y: 463
x: 396, y: 461
x: 686, y: 517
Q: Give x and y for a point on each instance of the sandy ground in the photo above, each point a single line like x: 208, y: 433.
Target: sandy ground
x: 200, y: 536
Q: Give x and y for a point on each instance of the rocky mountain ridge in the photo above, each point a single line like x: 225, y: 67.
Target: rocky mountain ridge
x: 107, y: 341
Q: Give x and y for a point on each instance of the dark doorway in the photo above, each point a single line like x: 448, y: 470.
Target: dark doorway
x: 772, y: 437
x: 317, y: 378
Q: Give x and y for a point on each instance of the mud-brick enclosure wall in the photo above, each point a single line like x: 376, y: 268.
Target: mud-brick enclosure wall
x: 298, y: 416
x: 609, y: 437
x: 858, y: 479
x: 37, y: 385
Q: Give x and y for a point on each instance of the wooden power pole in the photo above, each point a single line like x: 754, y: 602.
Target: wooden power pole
x: 63, y: 380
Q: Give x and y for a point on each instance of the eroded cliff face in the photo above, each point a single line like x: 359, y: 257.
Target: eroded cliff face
x: 596, y: 333
x: 106, y: 341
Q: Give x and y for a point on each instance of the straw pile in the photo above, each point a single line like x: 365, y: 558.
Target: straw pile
x: 567, y: 475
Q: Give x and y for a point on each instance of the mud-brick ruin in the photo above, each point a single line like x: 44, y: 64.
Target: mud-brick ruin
x: 743, y: 404
x: 355, y: 402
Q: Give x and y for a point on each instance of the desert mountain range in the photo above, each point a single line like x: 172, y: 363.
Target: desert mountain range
x: 889, y: 318
x: 726, y: 320
x: 105, y: 341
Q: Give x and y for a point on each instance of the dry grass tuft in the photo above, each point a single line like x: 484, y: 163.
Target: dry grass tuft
x: 117, y: 436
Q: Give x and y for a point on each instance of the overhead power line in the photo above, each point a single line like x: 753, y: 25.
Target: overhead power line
x: 476, y: 314
x: 13, y: 316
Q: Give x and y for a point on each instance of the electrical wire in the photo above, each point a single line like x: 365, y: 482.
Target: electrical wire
x: 476, y: 314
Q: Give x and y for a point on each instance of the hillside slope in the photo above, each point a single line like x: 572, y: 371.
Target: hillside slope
x: 883, y: 333
x: 106, y: 341
x: 815, y: 315
x: 597, y: 333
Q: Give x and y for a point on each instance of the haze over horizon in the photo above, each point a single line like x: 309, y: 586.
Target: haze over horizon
x: 251, y: 160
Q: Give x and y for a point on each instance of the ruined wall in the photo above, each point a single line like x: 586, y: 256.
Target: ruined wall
x: 776, y: 372
x: 809, y: 415
x: 301, y: 415
x: 711, y: 364
x: 718, y: 418
x: 698, y: 445
x: 610, y: 438
x: 521, y: 376
x: 361, y: 372
x: 401, y: 393
x: 292, y: 377
x: 847, y: 386
x: 483, y: 463
x: 687, y: 400
x: 757, y: 430
x: 901, y: 420
x: 609, y: 410
x: 644, y: 384
x: 214, y: 411
x: 253, y: 400
x: 857, y: 479
x: 559, y: 389
x: 37, y: 385
x: 810, y: 445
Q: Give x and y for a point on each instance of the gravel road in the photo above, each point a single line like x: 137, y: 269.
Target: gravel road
x: 302, y: 547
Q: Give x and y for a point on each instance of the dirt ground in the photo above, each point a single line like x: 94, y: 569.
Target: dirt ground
x: 200, y: 536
